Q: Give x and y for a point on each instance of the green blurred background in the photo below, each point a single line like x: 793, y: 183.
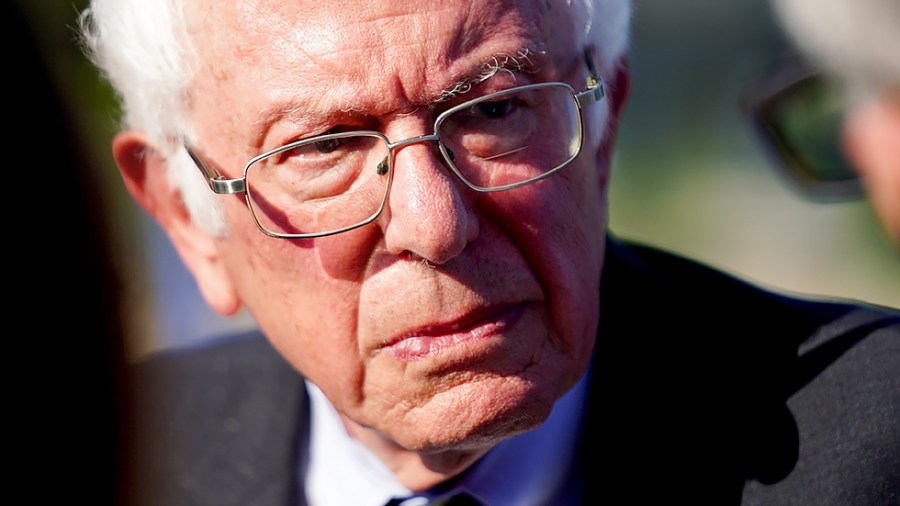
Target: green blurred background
x: 689, y: 175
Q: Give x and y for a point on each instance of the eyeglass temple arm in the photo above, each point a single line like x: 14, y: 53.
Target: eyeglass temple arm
x: 217, y: 183
x: 595, y: 90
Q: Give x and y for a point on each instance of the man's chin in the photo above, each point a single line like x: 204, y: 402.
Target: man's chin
x: 474, y: 417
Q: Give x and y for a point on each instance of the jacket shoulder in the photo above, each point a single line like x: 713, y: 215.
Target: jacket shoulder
x: 215, y: 423
x: 794, y: 396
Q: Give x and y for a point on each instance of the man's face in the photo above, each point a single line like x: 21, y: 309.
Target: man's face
x: 456, y: 318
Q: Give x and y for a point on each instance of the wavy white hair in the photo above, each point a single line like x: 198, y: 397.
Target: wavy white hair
x: 857, y: 40
x: 143, y: 49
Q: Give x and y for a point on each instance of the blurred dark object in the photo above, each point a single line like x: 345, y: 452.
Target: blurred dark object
x: 797, y: 113
x: 62, y: 289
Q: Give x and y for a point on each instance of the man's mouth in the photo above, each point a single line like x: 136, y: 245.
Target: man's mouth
x: 467, y: 330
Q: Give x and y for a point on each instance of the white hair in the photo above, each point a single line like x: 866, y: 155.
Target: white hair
x: 143, y: 49
x: 858, y: 40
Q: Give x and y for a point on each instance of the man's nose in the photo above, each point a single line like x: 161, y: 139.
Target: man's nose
x: 430, y: 212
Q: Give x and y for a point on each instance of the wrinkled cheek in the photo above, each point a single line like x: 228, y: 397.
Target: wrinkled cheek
x: 313, y: 324
x: 292, y: 289
x: 346, y: 256
x: 570, y: 239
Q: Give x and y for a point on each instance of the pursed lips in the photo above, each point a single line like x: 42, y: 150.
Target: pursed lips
x: 432, y: 339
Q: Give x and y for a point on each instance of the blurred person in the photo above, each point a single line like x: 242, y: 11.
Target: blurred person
x: 411, y: 200
x: 852, y: 78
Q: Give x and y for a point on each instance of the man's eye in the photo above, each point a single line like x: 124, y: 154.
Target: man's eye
x: 328, y: 146
x: 312, y: 151
x: 493, y: 110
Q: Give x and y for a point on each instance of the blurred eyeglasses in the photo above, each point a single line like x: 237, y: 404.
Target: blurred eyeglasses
x: 337, y: 182
x: 797, y: 113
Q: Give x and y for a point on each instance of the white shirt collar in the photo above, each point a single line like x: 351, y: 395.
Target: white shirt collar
x: 526, y: 470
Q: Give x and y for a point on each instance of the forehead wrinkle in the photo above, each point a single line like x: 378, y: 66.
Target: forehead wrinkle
x: 523, y: 61
x: 460, y: 42
x: 319, y: 98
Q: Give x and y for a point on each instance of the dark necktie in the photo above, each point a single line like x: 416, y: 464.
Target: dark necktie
x: 458, y: 499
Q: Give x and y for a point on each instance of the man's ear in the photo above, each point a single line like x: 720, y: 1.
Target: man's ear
x: 143, y: 171
x: 617, y: 87
x: 872, y: 145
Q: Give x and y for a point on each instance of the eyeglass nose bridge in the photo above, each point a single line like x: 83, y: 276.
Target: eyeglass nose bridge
x: 394, y: 147
x: 446, y: 155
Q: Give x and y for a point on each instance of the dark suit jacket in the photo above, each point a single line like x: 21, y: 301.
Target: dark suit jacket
x: 705, y: 390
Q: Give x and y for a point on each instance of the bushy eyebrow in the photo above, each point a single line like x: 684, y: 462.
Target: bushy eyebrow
x: 520, y: 61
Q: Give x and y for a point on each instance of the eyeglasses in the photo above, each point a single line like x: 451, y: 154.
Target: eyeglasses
x: 333, y: 183
x: 797, y: 113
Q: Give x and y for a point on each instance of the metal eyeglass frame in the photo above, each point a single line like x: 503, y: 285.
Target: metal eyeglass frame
x: 593, y: 93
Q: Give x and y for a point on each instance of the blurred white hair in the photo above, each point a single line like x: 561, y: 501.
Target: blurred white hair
x: 857, y: 40
x: 143, y: 49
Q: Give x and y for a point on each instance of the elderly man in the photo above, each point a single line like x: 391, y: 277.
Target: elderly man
x: 410, y: 199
